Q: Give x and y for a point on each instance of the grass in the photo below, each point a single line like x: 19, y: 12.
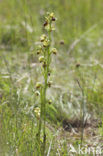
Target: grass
x: 79, y: 59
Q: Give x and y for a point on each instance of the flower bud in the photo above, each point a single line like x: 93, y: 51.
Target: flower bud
x: 38, y: 85
x: 41, y: 59
x: 54, y: 51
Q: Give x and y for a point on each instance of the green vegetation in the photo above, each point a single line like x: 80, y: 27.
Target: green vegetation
x: 76, y: 95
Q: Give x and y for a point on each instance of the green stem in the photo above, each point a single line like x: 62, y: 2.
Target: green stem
x: 45, y: 89
x: 40, y: 122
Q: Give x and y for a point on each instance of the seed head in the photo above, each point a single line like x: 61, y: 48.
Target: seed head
x: 41, y: 59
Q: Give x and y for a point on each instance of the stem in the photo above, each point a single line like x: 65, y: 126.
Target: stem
x: 40, y: 121
x: 83, y: 111
x: 45, y: 89
x: 45, y: 59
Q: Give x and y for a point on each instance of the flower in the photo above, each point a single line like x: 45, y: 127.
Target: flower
x: 50, y: 101
x: 77, y: 65
x: 45, y: 23
x: 39, y: 49
x: 38, y: 52
x: 52, y: 15
x: 44, y: 64
x: 37, y: 112
x: 37, y: 93
x: 53, y: 18
x: 54, y: 51
x: 37, y: 109
x: 52, y: 28
x: 62, y: 42
x: 49, y: 73
x: 49, y: 83
x: 46, y: 43
x: 41, y: 59
x: 38, y: 85
x: 42, y: 38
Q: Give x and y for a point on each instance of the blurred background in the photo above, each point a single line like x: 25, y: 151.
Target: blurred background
x: 77, y: 70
